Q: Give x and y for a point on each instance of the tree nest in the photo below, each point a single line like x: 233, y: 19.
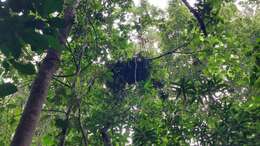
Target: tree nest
x: 129, y: 72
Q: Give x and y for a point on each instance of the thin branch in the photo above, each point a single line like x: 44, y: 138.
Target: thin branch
x: 64, y: 130
x: 94, y: 30
x: 171, y: 52
x: 53, y: 110
x: 72, y: 54
x: 85, y: 139
x: 64, y: 84
x: 65, y: 76
x: 73, y: 74
x: 191, y: 53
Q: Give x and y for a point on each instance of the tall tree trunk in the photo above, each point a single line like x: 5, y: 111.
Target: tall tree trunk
x: 27, y: 125
x: 31, y: 113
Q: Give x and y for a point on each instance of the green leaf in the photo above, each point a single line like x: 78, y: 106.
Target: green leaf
x: 35, y: 23
x: 50, y: 6
x: 24, y: 68
x: 47, y: 140
x: 258, y: 40
x: 7, y: 89
x: 56, y: 22
x: 16, y: 50
x: 12, y: 47
x: 60, y: 123
x: 54, y: 43
x: 20, y: 5
x: 6, y: 65
x: 37, y: 41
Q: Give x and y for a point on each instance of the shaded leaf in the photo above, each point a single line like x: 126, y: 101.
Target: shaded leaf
x: 60, y: 123
x: 37, y: 41
x: 26, y: 68
x: 54, y: 43
x: 7, y: 89
x: 56, y: 22
x: 50, y: 6
x: 6, y: 65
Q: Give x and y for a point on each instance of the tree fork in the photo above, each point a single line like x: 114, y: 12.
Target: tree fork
x: 31, y: 113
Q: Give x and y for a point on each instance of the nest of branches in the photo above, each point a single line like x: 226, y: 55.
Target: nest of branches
x: 129, y: 72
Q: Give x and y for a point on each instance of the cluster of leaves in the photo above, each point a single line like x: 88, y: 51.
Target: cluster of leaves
x: 29, y: 27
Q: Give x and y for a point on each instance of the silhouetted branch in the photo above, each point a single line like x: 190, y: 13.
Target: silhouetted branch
x: 73, y: 74
x: 198, y: 16
x: 171, y: 52
x: 64, y: 84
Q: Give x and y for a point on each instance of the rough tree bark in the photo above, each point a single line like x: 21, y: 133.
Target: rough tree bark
x: 25, y: 130
x: 31, y: 113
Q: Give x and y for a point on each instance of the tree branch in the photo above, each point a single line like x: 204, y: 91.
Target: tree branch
x: 65, y: 128
x: 85, y: 138
x: 198, y: 16
x: 171, y: 51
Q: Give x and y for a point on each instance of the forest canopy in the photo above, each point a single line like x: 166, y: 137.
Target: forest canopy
x: 126, y: 72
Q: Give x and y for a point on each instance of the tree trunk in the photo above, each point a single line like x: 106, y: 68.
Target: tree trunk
x: 25, y: 130
x: 31, y: 113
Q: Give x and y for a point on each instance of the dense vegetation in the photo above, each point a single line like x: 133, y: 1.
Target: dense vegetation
x: 113, y: 72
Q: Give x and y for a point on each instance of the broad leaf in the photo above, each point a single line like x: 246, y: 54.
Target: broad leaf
x: 50, y: 6
x: 7, y: 89
x: 54, y: 43
x: 60, y: 123
x: 24, y: 68
x: 37, y: 41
